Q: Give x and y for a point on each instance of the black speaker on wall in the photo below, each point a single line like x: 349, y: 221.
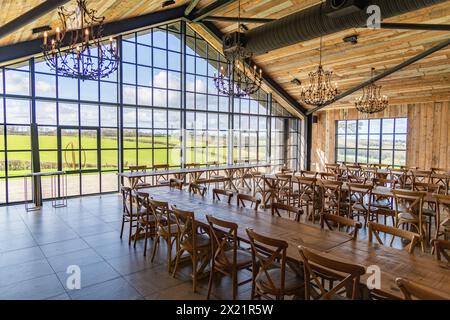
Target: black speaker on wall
x: 315, y: 119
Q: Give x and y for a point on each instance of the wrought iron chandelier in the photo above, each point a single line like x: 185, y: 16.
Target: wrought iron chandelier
x: 77, y: 49
x: 320, y: 90
x: 238, y: 79
x: 371, y: 101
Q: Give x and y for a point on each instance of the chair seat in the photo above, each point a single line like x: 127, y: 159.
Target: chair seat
x: 360, y: 207
x: 429, y: 212
x: 147, y: 219
x: 142, y: 185
x: 164, y: 230
x: 292, y: 282
x: 243, y: 258
x: 381, y: 203
x: 407, y: 216
x: 201, y: 242
x: 135, y: 212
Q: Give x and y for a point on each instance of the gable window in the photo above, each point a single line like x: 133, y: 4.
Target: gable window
x: 372, y: 141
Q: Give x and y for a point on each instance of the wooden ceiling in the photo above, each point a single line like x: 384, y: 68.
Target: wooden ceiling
x: 113, y: 10
x: 424, y: 81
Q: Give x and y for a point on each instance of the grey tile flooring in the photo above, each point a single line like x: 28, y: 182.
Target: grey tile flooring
x: 37, y: 247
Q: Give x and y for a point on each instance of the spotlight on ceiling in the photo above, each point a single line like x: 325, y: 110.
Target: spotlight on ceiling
x: 351, y: 39
x: 296, y: 82
x: 168, y: 3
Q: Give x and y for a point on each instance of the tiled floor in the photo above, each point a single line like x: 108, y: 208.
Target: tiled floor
x: 36, y: 249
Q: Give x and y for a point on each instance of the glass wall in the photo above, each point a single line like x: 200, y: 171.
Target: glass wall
x: 161, y: 107
x: 372, y: 141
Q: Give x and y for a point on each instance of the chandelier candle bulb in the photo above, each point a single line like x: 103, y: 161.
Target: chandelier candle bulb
x: 45, y: 37
x: 58, y: 36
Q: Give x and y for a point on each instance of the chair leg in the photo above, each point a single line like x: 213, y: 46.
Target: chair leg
x: 155, y: 246
x: 177, y: 261
x: 145, y: 239
x: 235, y: 284
x: 194, y: 271
x: 169, y: 253
x: 211, y: 275
x: 136, y: 237
x: 131, y: 231
x: 121, y: 229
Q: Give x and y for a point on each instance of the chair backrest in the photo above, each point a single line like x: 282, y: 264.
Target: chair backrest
x: 421, y: 176
x: 197, y: 189
x: 409, y: 201
x: 187, y: 226
x: 161, y: 213
x: 376, y: 228
x: 192, y: 165
x: 353, y: 170
x: 127, y: 200
x: 413, y: 290
x: 331, y: 195
x: 330, y: 219
x: 426, y: 187
x: 138, y: 168
x: 225, y: 193
x: 268, y: 253
x: 316, y: 264
x: 442, y: 204
x: 245, y: 197
x: 332, y: 168
x: 308, y: 174
x: 435, y: 170
x: 380, y: 182
x: 224, y: 236
x: 328, y: 176
x: 360, y: 194
x: 369, y: 173
x: 160, y: 167
x: 442, y: 249
x: 176, y: 183
x: 275, y: 207
x: 400, y: 175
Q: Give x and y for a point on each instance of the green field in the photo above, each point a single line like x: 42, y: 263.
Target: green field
x: 147, y: 147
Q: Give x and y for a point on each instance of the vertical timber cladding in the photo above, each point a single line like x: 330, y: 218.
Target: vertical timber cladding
x: 427, y: 139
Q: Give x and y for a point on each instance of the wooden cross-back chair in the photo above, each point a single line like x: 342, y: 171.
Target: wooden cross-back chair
x: 429, y: 207
x: 383, y: 203
x: 360, y: 202
x: 435, y: 170
x: 147, y: 221
x: 333, y: 168
x: 140, y: 182
x: 332, y: 201
x: 415, y: 291
x: 226, y: 193
x: 284, y: 192
x: 443, y: 227
x: 308, y: 174
x: 175, y: 183
x: 214, y: 176
x: 369, y: 173
x: 346, y: 276
x: 334, y: 221
x: 400, y: 175
x: 164, y: 178
x: 227, y: 257
x: 273, y: 276
x: 442, y: 249
x: 166, y: 229
x: 376, y: 228
x: 352, y: 171
x: 193, y: 239
x: 277, y: 206
x: 254, y: 202
x: 329, y: 176
x: 308, y: 195
x: 423, y: 176
x: 130, y: 211
x: 408, y: 211
x: 197, y: 189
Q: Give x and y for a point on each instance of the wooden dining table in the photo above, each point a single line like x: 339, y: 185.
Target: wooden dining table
x: 393, y: 263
